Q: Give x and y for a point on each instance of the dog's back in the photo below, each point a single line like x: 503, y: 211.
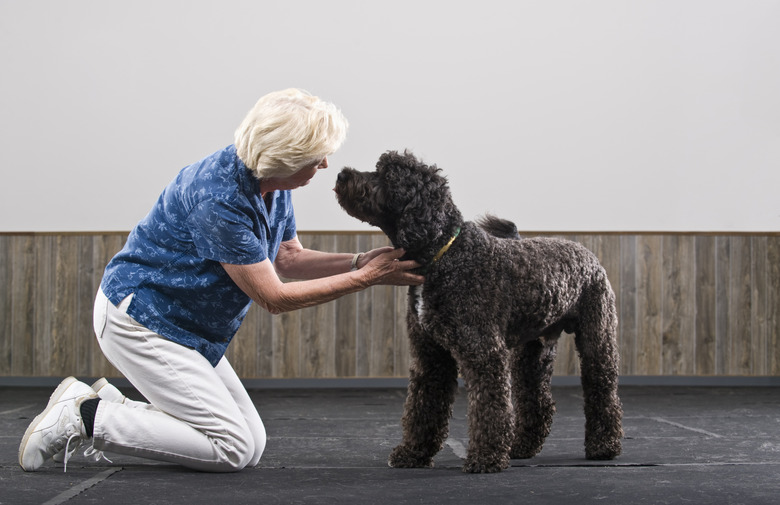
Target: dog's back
x: 501, y: 228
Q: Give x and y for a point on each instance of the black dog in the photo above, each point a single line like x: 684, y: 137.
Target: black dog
x: 493, y: 307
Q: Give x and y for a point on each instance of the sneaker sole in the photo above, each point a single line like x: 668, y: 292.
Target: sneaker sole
x: 53, y: 399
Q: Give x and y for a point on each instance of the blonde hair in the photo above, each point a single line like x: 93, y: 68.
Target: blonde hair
x: 288, y: 130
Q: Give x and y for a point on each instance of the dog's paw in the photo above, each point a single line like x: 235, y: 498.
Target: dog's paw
x: 492, y: 465
x: 601, y: 452
x: 525, y: 449
x: 403, y: 457
x: 522, y: 453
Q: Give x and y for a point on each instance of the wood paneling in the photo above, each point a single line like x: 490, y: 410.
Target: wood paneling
x: 705, y: 319
x: 6, y: 342
x: 688, y: 304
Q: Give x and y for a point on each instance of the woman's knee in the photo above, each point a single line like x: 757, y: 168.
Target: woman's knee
x: 248, y: 445
x: 260, y: 441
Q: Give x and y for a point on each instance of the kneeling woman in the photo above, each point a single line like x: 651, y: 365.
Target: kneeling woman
x: 171, y: 300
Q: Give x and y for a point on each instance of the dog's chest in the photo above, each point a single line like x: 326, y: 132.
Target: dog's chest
x: 417, y: 305
x: 419, y: 308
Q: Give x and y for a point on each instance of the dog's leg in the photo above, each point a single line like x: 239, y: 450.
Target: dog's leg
x: 490, y: 414
x: 432, y: 384
x: 596, y: 340
x: 532, y: 368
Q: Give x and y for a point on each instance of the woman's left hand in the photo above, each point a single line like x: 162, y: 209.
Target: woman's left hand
x: 387, y: 268
x: 366, y: 257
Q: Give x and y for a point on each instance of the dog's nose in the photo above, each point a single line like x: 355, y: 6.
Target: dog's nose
x: 342, y: 177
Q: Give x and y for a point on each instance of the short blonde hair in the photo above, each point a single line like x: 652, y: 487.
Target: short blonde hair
x: 288, y: 130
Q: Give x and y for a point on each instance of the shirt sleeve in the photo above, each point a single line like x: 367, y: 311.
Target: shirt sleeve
x: 221, y: 231
x: 290, y: 230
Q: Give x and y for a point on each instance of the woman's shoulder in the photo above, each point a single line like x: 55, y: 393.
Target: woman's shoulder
x: 218, y: 175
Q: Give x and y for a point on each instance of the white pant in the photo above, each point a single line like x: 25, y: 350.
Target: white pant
x: 199, y: 416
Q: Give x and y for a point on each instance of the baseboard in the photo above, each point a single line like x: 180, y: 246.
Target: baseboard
x: 401, y: 383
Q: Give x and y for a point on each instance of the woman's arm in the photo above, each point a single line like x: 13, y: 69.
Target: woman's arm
x: 261, y: 282
x: 295, y: 262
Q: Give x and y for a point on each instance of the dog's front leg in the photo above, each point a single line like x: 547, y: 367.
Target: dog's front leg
x: 490, y: 415
x: 532, y: 368
x: 432, y: 384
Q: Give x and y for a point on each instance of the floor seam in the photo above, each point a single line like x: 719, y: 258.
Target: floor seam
x: 81, y: 487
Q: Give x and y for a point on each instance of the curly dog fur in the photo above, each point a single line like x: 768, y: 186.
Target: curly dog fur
x: 492, y: 307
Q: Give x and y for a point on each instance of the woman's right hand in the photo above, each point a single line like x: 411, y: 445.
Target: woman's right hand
x: 388, y: 269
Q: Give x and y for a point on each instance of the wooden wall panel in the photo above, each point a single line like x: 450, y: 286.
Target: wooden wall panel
x: 345, y: 323
x: 759, y: 352
x: 43, y: 284
x: 688, y: 304
x: 22, y: 283
x: 678, y: 303
x: 722, y: 305
x: 627, y: 310
x: 85, y: 292
x: 773, y: 304
x: 705, y: 315
x: 648, y: 298
x: 6, y: 300
x: 739, y: 329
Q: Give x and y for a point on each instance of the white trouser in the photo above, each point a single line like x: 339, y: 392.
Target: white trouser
x: 199, y: 416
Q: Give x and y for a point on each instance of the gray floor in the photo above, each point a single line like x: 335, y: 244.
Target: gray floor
x: 683, y: 445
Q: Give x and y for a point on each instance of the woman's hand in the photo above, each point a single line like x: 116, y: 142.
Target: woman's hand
x: 366, y: 257
x: 384, y: 266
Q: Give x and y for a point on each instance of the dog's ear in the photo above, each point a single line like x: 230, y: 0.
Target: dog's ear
x: 410, y: 198
x: 429, y: 211
x: 412, y: 230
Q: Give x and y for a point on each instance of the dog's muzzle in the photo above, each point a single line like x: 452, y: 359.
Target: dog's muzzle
x: 342, y: 177
x: 349, y: 184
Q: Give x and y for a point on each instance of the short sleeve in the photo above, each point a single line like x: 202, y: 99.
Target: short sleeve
x: 290, y: 228
x: 222, y: 232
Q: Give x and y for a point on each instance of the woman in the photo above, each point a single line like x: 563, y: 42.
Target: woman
x: 170, y: 301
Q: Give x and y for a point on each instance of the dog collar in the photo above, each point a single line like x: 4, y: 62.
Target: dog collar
x: 443, y: 250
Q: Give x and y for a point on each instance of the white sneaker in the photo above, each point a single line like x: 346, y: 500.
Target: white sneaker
x: 105, y: 391
x: 54, y: 429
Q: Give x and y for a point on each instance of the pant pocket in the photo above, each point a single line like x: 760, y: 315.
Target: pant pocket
x: 125, y: 304
x: 99, y: 313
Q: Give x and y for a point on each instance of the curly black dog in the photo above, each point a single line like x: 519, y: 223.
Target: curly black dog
x: 492, y: 306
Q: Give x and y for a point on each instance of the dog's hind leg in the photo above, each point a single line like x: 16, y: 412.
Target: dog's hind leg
x: 532, y: 368
x: 432, y: 384
x: 596, y: 341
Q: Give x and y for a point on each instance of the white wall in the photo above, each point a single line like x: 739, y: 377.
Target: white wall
x: 561, y: 115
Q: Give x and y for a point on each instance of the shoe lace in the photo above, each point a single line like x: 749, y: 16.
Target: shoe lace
x: 95, y: 454
x: 69, y: 452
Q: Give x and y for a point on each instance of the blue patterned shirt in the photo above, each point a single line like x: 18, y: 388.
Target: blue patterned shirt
x: 211, y: 213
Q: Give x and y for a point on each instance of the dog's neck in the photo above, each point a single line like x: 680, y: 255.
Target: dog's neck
x: 441, y: 252
x: 431, y: 252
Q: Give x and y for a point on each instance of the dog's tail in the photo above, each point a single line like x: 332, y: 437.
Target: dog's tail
x: 501, y: 228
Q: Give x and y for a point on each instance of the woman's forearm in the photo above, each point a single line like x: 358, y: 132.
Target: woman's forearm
x: 260, y: 282
x: 308, y: 264
x: 308, y: 293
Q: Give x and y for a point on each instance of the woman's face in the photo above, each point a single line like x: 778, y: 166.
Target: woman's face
x: 300, y: 178
x: 303, y: 176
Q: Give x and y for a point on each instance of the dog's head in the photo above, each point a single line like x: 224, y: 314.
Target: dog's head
x: 407, y: 199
